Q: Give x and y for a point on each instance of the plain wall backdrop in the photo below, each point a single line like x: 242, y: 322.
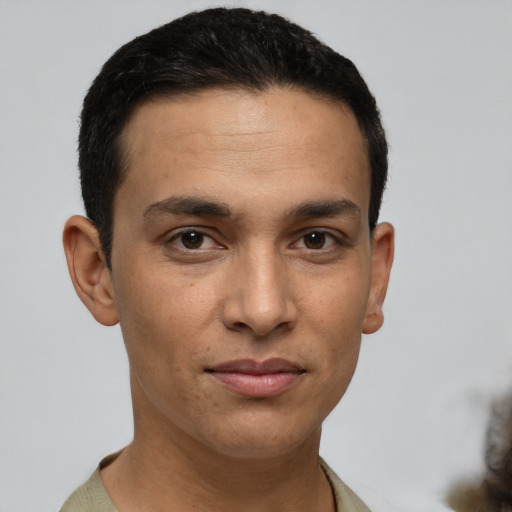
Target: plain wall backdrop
x: 414, y: 417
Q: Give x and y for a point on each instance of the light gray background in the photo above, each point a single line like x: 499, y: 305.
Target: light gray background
x: 414, y: 416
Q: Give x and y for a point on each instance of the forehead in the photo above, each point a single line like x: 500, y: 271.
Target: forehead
x: 217, y: 139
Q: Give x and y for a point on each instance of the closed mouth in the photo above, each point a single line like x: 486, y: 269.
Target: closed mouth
x: 253, y: 379
x: 250, y: 366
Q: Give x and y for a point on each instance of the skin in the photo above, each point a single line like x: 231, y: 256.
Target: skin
x: 291, y: 271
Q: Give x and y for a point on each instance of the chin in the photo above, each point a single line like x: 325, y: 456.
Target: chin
x: 261, y: 442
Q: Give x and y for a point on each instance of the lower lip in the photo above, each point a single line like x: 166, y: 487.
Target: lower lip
x: 257, y: 386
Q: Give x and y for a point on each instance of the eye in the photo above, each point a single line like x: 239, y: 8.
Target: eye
x: 316, y: 240
x: 193, y: 239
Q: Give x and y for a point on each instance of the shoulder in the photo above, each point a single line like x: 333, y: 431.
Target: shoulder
x: 346, y: 499
x: 91, y: 496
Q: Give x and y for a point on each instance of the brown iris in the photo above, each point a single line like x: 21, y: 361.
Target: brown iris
x: 192, y: 239
x: 314, y: 240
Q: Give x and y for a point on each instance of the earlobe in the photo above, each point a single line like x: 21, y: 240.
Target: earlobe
x: 383, y: 245
x: 88, y: 270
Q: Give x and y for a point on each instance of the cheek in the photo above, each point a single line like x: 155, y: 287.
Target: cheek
x: 335, y: 316
x: 160, y: 298
x: 162, y: 319
x: 337, y: 306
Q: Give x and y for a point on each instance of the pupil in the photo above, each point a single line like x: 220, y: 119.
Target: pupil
x: 192, y: 240
x: 315, y: 240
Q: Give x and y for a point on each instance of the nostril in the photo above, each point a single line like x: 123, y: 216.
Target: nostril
x: 260, y: 330
x: 238, y: 326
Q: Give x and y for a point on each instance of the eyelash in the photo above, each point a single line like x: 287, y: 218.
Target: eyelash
x: 180, y: 234
x: 327, y: 235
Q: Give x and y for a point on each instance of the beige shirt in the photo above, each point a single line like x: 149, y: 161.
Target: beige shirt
x: 92, y: 496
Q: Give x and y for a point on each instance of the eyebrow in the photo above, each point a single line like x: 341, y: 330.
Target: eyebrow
x: 203, y: 207
x: 319, y: 209
x: 187, y: 205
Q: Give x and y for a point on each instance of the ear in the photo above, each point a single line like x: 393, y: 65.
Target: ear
x: 88, y: 269
x: 383, y: 246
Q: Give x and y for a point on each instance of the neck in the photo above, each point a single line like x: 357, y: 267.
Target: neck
x: 164, y: 470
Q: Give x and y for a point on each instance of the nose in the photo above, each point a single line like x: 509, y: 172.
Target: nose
x: 260, y: 299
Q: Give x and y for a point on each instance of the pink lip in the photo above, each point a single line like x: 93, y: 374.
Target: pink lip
x: 257, y: 379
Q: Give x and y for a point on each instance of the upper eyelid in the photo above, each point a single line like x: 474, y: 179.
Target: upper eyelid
x: 339, y: 239
x: 173, y: 233
x: 171, y: 237
x: 335, y: 233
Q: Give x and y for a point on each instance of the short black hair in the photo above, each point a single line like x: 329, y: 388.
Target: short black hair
x: 221, y: 47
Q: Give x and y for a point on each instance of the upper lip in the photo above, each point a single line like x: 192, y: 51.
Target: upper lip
x: 250, y: 366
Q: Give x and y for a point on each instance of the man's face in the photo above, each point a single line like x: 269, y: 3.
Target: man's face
x: 242, y: 266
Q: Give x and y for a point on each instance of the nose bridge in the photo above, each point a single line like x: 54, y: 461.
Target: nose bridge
x: 261, y: 298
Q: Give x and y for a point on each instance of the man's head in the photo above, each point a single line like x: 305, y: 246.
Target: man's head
x: 235, y: 49
x: 245, y: 261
